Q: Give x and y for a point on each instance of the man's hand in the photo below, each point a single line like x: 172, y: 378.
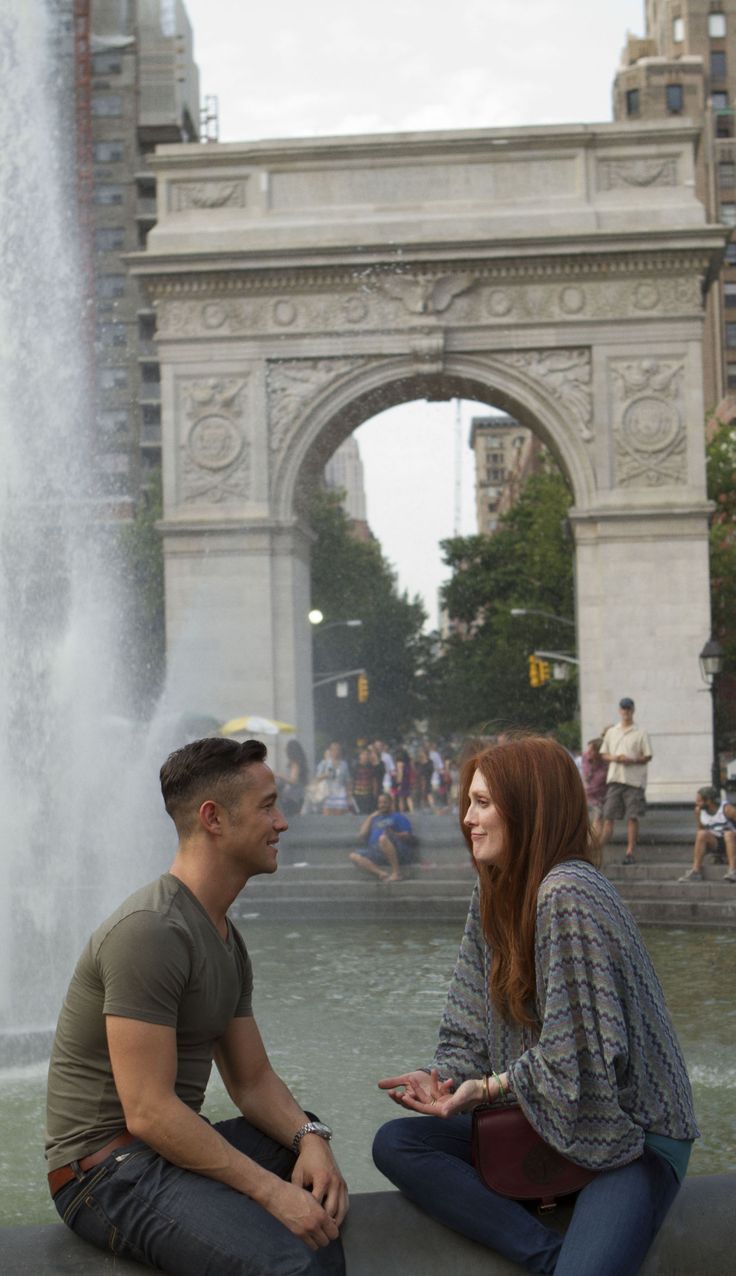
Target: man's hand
x: 317, y: 1172
x: 300, y: 1212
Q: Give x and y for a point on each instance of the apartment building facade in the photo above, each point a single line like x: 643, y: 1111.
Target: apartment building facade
x: 685, y: 64
x: 143, y: 90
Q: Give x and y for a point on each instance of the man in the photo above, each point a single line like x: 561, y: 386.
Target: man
x: 627, y: 751
x: 389, y: 842
x: 163, y: 988
x: 389, y: 766
x: 716, y: 825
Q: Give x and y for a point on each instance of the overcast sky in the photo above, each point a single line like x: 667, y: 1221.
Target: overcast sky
x: 292, y: 69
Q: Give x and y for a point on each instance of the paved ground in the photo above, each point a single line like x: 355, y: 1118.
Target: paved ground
x: 315, y: 874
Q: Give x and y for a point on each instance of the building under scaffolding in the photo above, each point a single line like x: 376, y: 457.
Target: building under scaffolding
x: 128, y: 68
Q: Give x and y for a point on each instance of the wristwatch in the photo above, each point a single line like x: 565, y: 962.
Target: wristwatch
x: 311, y: 1127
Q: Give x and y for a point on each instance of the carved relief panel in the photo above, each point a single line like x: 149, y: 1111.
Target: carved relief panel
x: 562, y: 375
x: 214, y: 444
x: 650, y: 438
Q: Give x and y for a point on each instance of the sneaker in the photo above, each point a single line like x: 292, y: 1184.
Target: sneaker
x: 730, y: 876
x: 627, y: 859
x: 692, y: 875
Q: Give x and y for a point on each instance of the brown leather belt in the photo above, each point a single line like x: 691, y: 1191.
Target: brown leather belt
x: 59, y: 1178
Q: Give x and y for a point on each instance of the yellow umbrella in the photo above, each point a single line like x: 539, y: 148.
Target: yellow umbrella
x: 258, y: 725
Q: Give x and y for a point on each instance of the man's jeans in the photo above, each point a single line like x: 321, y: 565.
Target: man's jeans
x: 139, y: 1206
x: 615, y: 1219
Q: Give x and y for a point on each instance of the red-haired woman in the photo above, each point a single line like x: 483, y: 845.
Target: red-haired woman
x: 554, y: 999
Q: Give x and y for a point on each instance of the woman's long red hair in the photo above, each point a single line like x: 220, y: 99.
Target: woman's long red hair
x: 537, y: 791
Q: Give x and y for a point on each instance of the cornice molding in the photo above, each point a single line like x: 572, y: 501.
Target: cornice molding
x: 214, y: 282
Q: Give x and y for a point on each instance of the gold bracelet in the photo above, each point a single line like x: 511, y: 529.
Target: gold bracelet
x: 486, y: 1079
x: 502, y: 1094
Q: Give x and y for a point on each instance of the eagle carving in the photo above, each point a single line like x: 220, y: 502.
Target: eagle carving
x: 423, y: 296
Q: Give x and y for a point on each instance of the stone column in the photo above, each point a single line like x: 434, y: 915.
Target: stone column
x: 237, y: 579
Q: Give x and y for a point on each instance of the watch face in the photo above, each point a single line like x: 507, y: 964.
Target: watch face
x: 319, y: 1127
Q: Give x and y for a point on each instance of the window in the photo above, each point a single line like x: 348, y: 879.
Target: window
x: 112, y: 378
x: 727, y: 173
x: 716, y: 25
x: 731, y: 253
x: 678, y: 30
x: 109, y: 63
x: 152, y: 412
x: 114, y: 285
x: 107, y: 193
x: 719, y: 100
x: 112, y: 334
x: 107, y: 104
x: 728, y: 214
x: 150, y: 373
x: 108, y: 152
x: 632, y: 101
x: 674, y: 98
x: 113, y: 422
x: 729, y: 295
x: 731, y: 375
x: 109, y: 239
x: 717, y: 65
x: 731, y: 335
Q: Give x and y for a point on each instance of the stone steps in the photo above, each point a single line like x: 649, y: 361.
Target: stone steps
x: 315, y: 876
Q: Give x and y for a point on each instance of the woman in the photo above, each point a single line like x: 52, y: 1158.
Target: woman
x: 293, y: 786
x: 554, y: 991
x: 594, y: 772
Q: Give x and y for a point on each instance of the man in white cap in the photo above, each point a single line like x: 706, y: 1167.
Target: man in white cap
x: 627, y: 751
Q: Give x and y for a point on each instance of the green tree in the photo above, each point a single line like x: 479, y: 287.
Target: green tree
x: 351, y: 580
x: 481, y: 678
x: 721, y: 472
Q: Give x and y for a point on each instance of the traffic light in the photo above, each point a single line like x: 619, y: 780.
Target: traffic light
x: 362, y: 688
x: 539, y: 671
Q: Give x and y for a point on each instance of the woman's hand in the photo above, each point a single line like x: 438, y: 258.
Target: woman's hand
x: 424, y: 1092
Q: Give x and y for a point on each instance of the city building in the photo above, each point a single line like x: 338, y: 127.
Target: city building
x: 137, y: 85
x: 685, y: 64
x: 506, y: 453
x: 344, y: 473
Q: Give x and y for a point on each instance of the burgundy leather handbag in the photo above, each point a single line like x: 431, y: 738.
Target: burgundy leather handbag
x: 513, y: 1160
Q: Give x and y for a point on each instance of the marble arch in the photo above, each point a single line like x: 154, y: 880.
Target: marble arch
x: 301, y: 287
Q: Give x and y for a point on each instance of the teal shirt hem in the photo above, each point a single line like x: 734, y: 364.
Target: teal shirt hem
x: 676, y: 1151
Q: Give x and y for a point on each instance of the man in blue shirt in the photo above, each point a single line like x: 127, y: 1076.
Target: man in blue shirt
x: 388, y: 842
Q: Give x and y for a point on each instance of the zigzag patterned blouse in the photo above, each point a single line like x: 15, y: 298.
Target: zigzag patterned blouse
x: 603, y: 1066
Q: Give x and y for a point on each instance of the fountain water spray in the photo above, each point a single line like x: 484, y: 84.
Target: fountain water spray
x: 68, y: 849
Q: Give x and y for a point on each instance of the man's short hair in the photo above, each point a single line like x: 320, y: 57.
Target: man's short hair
x: 208, y: 768
x: 626, y: 703
x: 708, y: 793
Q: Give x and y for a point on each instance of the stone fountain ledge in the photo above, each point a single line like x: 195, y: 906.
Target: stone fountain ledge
x: 385, y: 1235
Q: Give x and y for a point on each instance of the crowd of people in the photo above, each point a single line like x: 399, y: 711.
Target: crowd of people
x: 416, y: 776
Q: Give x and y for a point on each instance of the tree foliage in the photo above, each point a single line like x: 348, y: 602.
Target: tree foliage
x: 351, y: 580
x: 721, y: 471
x: 481, y: 679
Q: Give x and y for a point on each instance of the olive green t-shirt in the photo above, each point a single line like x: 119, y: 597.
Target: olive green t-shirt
x: 158, y: 958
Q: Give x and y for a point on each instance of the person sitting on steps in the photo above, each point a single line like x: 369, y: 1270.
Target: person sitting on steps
x: 716, y: 824
x: 389, y: 842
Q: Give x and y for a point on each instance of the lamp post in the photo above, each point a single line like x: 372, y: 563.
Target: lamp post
x: 536, y: 611
x: 316, y: 620
x: 711, y: 664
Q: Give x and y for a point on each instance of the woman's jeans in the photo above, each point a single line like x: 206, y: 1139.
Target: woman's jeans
x: 615, y: 1219
x: 137, y: 1205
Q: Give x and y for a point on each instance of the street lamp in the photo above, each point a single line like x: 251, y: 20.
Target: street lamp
x: 536, y: 611
x: 711, y: 664
x: 316, y: 619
